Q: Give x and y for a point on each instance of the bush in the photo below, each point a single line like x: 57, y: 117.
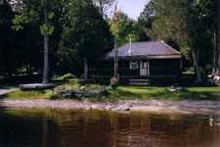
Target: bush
x: 77, y: 91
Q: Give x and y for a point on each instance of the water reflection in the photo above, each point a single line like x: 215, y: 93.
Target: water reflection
x: 56, y: 128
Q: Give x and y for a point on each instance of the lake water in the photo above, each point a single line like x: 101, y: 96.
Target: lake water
x: 57, y: 128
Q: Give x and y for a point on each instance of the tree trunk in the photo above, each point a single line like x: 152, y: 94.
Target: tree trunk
x: 216, y: 57
x: 196, y: 66
x: 46, y: 61
x: 46, y: 49
x: 116, y: 63
x: 2, y: 2
x: 29, y: 69
x: 101, y: 7
x: 218, y: 41
x: 85, y: 69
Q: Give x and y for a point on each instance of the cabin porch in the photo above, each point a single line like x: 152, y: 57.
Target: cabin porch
x: 137, y: 71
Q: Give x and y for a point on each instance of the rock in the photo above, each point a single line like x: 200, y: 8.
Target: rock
x: 127, y: 109
x: 175, y: 89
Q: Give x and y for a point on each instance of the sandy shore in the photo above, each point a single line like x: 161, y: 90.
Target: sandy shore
x: 156, y: 106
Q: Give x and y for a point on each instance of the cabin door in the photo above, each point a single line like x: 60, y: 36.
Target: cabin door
x: 144, y: 68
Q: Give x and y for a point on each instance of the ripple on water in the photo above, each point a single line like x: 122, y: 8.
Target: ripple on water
x: 90, y: 128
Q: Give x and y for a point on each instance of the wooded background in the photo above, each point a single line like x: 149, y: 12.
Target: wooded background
x: 74, y: 30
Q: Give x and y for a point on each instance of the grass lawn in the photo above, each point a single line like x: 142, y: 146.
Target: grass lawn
x: 18, y: 94
x: 196, y: 93
x: 133, y: 92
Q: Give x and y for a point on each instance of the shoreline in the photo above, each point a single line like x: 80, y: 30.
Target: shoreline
x: 154, y: 106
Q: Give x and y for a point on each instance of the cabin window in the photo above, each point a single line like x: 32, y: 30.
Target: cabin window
x: 133, y: 65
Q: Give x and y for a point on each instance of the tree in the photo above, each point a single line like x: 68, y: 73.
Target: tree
x: 216, y: 60
x: 200, y: 19
x: 218, y: 37
x: 32, y: 11
x: 180, y: 24
x: 7, y: 38
x: 86, y: 34
x: 166, y: 20
x: 124, y: 28
x: 19, y: 50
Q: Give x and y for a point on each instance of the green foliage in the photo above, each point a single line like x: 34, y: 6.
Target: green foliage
x: 8, y: 41
x: 200, y: 18
x: 33, y: 12
x: 19, y: 21
x: 51, y: 15
x: 46, y: 29
x: 185, y: 25
x: 40, y: 13
x: 123, y: 28
x: 166, y: 20
x: 76, y: 29
x: 85, y: 34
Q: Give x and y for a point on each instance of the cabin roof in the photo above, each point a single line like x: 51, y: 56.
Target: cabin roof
x: 147, y: 50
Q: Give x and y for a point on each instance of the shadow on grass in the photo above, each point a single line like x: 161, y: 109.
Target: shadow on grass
x: 200, y: 95
x: 164, y: 95
x: 186, y: 95
x: 150, y: 93
x: 123, y: 94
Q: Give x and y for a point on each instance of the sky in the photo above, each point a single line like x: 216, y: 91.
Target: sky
x: 132, y: 7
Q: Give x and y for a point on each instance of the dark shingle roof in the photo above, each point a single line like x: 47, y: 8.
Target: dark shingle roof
x: 148, y: 50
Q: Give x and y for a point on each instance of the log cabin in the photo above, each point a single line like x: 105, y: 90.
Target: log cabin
x: 140, y: 61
